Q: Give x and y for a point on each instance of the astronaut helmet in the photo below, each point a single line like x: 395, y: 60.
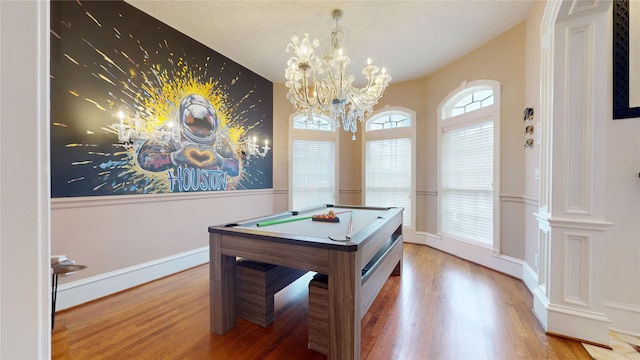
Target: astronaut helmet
x: 198, y: 120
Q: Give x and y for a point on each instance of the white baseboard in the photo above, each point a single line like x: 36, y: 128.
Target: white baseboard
x: 475, y: 253
x: 625, y: 318
x: 529, y: 276
x: 78, y: 292
x: 580, y: 324
x: 413, y: 237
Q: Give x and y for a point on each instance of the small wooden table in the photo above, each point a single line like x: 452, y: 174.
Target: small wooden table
x: 61, y: 268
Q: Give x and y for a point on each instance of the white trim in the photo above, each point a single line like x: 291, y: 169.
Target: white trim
x: 474, y: 253
x: 414, y: 237
x: 92, y: 288
x: 493, y: 113
x: 512, y: 198
x: 44, y: 172
x: 313, y: 135
x: 520, y: 199
x: 529, y: 277
x: 531, y: 201
x: 569, y: 223
x: 572, y: 311
x: 565, y: 223
x: 25, y: 320
x: 625, y: 317
x: 475, y: 116
x: 622, y: 306
x: 117, y: 200
x: 540, y: 304
x: 578, y: 323
x: 394, y: 133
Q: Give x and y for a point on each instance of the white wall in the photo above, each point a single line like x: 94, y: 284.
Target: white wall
x: 129, y: 240
x: 24, y: 252
x: 622, y: 285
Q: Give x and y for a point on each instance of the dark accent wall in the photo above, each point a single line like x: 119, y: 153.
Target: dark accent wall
x: 139, y: 108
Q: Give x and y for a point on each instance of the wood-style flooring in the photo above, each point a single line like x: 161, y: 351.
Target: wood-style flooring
x: 442, y: 307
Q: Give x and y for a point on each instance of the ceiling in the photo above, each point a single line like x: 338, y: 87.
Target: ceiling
x: 411, y: 39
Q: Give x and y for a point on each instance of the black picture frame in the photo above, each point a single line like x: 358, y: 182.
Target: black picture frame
x: 621, y: 19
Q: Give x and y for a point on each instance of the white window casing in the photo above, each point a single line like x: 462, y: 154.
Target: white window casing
x: 389, y: 161
x: 468, y: 181
x: 313, y: 162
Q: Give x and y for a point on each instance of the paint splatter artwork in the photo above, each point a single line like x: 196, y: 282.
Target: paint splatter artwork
x: 139, y: 108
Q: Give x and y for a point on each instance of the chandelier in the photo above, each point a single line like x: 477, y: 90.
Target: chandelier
x: 334, y: 95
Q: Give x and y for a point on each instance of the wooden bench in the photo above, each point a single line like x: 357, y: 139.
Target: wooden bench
x: 387, y: 261
x: 256, y: 285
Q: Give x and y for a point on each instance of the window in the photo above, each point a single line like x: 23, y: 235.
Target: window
x: 467, y: 187
x: 389, y: 161
x: 389, y: 120
x: 313, y: 165
x: 316, y: 123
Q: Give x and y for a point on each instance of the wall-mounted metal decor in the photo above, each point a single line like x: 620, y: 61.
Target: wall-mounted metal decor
x: 527, y: 116
x: 622, y: 58
x: 139, y: 108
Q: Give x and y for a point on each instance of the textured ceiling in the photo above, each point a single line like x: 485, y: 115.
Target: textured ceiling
x: 410, y: 38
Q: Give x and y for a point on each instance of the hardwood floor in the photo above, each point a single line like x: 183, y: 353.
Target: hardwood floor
x: 442, y: 307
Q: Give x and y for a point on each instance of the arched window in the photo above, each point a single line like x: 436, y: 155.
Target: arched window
x: 312, y: 169
x: 389, y: 161
x: 468, y: 163
x: 317, y: 122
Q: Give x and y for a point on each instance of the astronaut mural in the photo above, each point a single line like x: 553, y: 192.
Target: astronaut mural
x: 194, y: 143
x: 140, y: 108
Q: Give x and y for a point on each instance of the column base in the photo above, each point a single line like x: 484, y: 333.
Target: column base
x: 579, y: 324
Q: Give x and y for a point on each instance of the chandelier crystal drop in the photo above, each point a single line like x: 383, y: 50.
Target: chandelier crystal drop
x: 321, y: 85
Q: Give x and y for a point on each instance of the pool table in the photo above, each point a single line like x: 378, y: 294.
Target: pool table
x: 338, y: 249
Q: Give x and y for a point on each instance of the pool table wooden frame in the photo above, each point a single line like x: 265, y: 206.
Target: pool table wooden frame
x: 342, y: 261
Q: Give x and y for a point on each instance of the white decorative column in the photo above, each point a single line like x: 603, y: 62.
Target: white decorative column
x: 575, y: 107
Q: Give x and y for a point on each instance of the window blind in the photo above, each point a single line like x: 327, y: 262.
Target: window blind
x: 467, y: 182
x: 388, y: 174
x: 313, y: 180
